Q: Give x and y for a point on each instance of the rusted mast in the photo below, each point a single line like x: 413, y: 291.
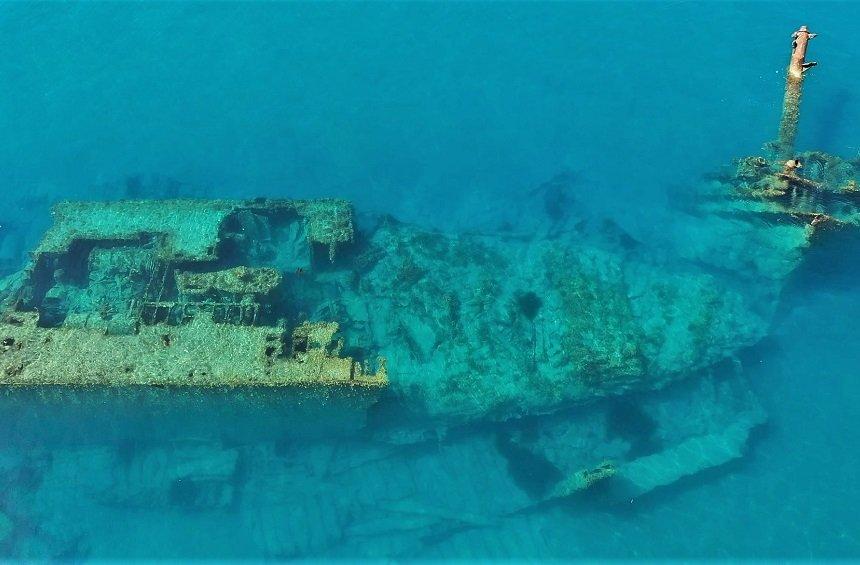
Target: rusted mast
x: 797, y: 68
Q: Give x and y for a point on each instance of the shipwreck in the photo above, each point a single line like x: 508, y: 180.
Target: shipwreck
x: 539, y: 320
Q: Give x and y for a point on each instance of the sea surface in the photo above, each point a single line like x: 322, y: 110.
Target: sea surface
x: 444, y: 115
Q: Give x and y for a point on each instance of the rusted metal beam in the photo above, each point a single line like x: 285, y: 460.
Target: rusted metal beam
x: 797, y: 67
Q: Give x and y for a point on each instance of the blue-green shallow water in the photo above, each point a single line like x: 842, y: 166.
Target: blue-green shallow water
x: 431, y: 112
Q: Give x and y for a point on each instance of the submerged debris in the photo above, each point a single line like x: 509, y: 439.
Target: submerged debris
x: 584, y: 479
x: 809, y: 188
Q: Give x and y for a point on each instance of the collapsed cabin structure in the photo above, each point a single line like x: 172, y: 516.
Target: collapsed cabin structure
x: 178, y: 293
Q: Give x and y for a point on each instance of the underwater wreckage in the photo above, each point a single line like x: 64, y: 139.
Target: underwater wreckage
x: 468, y: 327
x: 176, y: 293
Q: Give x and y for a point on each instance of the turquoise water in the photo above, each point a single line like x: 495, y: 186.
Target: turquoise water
x: 446, y: 116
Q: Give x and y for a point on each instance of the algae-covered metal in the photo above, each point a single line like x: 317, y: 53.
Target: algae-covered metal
x: 183, y: 292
